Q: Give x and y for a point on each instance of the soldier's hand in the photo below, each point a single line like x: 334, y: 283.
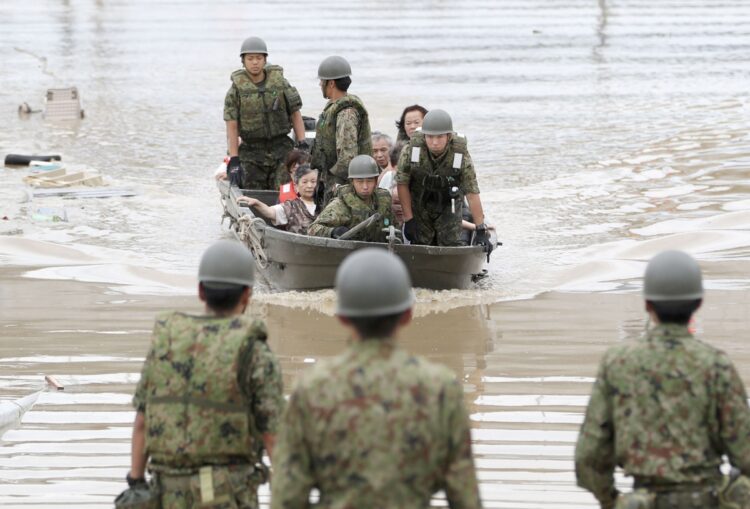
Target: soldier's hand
x: 303, y: 145
x: 410, y: 230
x: 235, y: 171
x: 136, y: 483
x: 339, y: 231
x: 482, y: 238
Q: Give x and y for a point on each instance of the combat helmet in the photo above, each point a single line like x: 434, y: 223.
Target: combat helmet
x: 672, y: 275
x: 333, y: 68
x: 372, y: 282
x: 225, y: 264
x: 362, y: 167
x: 437, y: 122
x: 253, y: 45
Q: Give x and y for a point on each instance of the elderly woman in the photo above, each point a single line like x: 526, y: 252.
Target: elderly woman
x: 294, y: 215
x: 411, y: 120
x: 294, y: 160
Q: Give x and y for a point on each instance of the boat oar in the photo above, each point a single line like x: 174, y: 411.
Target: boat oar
x: 361, y: 226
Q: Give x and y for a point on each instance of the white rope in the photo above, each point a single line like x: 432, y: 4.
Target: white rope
x: 249, y: 231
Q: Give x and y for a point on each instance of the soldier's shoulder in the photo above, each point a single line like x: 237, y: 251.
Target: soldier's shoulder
x: 255, y: 327
x: 273, y: 68
x: 459, y: 142
x: 382, y: 193
x: 428, y: 371
x: 238, y: 75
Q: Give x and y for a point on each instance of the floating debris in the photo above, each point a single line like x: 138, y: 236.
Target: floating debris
x: 63, y: 104
x: 24, y: 160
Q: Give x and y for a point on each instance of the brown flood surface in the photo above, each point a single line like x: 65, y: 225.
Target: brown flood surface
x: 527, y: 367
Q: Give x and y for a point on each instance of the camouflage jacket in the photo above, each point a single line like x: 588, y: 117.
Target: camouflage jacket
x: 665, y: 409
x: 342, y: 132
x: 430, y: 177
x: 209, y: 388
x: 298, y: 217
x: 262, y: 112
x: 348, y: 209
x: 375, y: 427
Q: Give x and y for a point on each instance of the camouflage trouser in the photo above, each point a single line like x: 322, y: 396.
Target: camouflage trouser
x: 234, y: 487
x: 439, y: 227
x: 263, y: 161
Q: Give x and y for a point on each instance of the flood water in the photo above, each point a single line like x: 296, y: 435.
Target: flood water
x: 602, y: 132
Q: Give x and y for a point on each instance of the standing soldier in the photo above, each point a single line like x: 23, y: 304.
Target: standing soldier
x: 210, y: 395
x: 375, y: 426
x: 435, y: 173
x: 667, y: 407
x: 356, y: 202
x: 260, y: 107
x: 343, y: 129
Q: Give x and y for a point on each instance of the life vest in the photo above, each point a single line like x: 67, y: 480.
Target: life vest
x: 359, y: 210
x: 196, y: 413
x: 287, y: 192
x: 324, y: 147
x: 431, y: 179
x: 265, y: 110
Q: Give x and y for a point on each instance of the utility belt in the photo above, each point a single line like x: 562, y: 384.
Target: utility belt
x: 250, y: 140
x: 439, y: 192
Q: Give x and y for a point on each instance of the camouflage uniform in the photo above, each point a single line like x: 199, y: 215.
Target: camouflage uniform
x: 342, y: 132
x: 298, y: 217
x: 375, y: 427
x: 263, y: 114
x: 348, y: 209
x: 429, y: 179
x: 209, y: 389
x: 665, y: 409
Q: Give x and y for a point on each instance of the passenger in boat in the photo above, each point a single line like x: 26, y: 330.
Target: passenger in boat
x: 295, y: 158
x: 435, y: 173
x: 387, y: 181
x: 209, y: 397
x: 343, y: 129
x: 356, y: 202
x: 260, y: 107
x: 375, y: 426
x: 295, y: 216
x: 381, y: 151
x: 411, y: 120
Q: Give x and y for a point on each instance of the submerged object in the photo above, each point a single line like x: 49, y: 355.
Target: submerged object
x: 63, y: 104
x: 50, y: 214
x: 23, y: 160
x: 61, y: 178
x: 289, y: 261
x: 79, y: 192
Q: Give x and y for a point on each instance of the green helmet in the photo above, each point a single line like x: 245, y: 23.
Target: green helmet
x: 362, y: 167
x: 254, y: 45
x: 672, y: 275
x: 333, y: 68
x: 225, y: 264
x: 437, y: 122
x: 372, y: 282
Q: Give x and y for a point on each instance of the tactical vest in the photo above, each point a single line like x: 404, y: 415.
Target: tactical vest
x: 359, y: 211
x: 263, y: 110
x: 431, y: 181
x: 196, y: 413
x: 324, y: 148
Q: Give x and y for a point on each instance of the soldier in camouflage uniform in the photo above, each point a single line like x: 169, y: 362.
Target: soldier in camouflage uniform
x: 210, y: 394
x: 343, y: 129
x: 375, y: 426
x: 356, y: 202
x: 435, y: 173
x: 260, y: 107
x: 665, y: 408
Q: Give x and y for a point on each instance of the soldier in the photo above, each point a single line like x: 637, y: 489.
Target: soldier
x: 435, y: 172
x: 667, y: 407
x: 343, y: 129
x: 260, y: 107
x: 210, y: 394
x: 356, y: 202
x: 375, y: 426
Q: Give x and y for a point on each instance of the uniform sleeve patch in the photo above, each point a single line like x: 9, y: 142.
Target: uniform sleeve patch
x: 415, y: 154
x: 457, y: 160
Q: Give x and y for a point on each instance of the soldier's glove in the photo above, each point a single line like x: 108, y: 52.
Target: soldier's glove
x: 410, y: 230
x: 303, y: 145
x: 235, y: 171
x: 136, y: 483
x: 482, y: 238
x: 339, y: 231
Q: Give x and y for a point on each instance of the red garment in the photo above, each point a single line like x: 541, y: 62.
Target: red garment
x: 287, y: 192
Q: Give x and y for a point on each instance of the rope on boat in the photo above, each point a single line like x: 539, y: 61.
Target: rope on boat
x: 249, y: 231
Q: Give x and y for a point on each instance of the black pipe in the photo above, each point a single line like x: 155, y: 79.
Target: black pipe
x: 21, y: 160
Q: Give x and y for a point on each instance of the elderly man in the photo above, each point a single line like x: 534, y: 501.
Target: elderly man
x: 381, y: 150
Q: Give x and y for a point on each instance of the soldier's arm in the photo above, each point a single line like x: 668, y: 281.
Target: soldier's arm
x: 231, y: 117
x: 595, y: 449
x: 403, y: 177
x: 470, y: 188
x: 461, y: 487
x: 292, y: 476
x: 734, y: 415
x: 298, y: 125
x: 138, y: 447
x: 331, y: 217
x: 346, y: 141
x: 294, y: 104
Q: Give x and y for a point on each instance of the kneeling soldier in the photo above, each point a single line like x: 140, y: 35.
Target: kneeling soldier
x: 210, y: 394
x: 356, y: 202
